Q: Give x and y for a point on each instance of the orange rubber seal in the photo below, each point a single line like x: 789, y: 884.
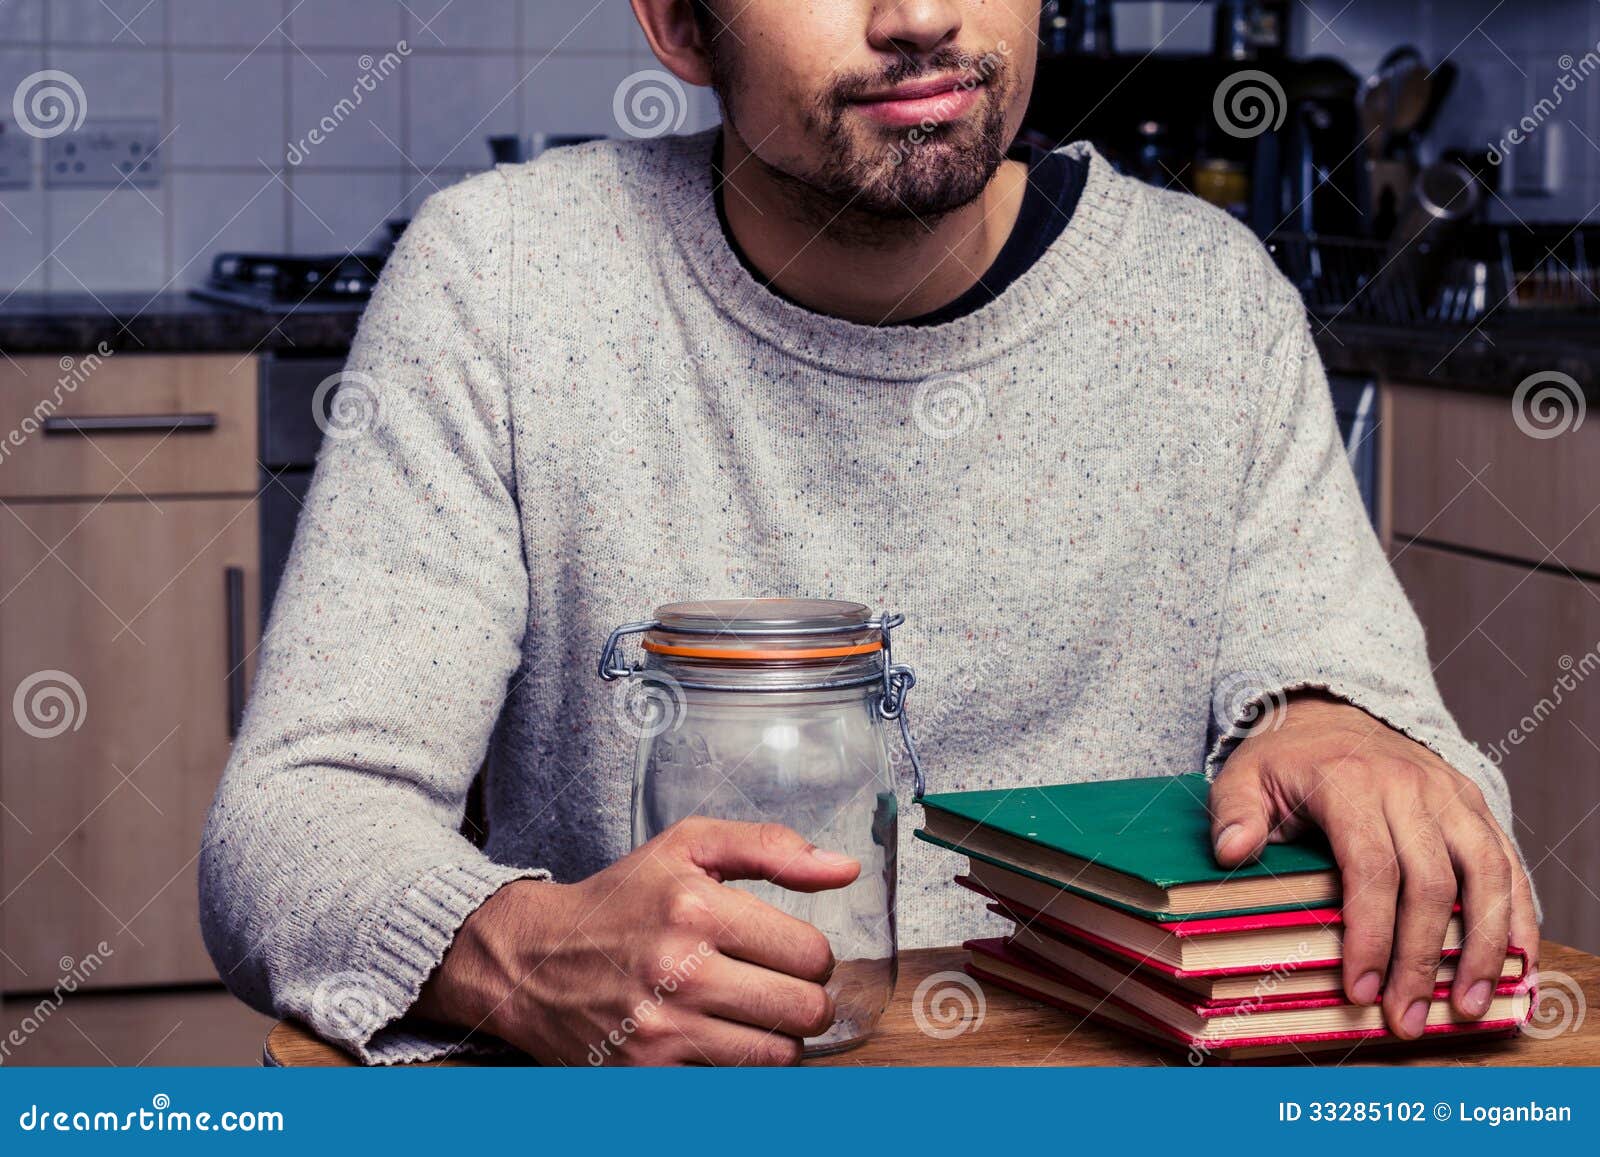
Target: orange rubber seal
x: 769, y: 653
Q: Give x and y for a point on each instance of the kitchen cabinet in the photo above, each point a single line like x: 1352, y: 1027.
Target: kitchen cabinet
x: 1517, y: 661
x: 1467, y: 475
x: 1493, y: 544
x: 129, y: 588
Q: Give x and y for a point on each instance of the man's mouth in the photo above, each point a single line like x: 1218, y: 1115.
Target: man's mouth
x: 930, y: 101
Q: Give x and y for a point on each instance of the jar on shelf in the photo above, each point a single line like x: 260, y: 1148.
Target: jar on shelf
x: 775, y: 710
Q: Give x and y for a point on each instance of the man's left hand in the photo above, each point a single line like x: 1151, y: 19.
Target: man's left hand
x: 1411, y: 835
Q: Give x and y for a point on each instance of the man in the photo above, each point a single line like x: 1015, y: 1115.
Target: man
x: 1072, y: 425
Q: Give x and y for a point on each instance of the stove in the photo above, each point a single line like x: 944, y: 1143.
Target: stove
x: 336, y: 283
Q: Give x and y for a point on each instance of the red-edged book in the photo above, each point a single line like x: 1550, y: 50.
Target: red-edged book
x: 1107, y: 989
x: 1217, y: 958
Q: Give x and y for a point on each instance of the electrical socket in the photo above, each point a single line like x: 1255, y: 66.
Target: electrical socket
x: 16, y: 157
x: 104, y: 154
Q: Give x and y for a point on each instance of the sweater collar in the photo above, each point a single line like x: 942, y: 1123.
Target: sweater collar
x: 1039, y: 297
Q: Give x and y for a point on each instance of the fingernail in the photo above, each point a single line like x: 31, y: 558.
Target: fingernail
x: 1366, y: 989
x: 1478, y: 997
x: 832, y: 858
x: 1225, y: 835
x: 1416, y: 1018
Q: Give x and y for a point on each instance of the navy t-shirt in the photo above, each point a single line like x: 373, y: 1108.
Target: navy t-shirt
x: 1055, y: 184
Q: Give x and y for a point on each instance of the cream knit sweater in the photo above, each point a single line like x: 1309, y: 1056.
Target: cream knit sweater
x: 1112, y: 504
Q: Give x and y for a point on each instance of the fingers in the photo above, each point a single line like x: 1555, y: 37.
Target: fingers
x: 1524, y: 932
x: 1370, y: 883
x: 731, y: 850
x: 1238, y: 812
x: 722, y: 1042
x: 761, y: 998
x: 752, y: 930
x: 1480, y: 861
x: 1427, y: 896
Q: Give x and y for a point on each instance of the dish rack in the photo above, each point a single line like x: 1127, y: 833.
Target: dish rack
x: 1545, y: 273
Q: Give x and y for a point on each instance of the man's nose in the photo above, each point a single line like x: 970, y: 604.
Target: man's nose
x: 914, y: 26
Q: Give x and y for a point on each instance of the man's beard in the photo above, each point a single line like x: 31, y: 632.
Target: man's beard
x: 904, y: 174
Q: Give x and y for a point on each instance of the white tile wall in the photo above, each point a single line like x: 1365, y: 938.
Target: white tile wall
x: 1510, y: 56
x: 234, y: 82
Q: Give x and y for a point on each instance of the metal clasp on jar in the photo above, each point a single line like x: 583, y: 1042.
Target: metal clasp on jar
x: 897, y: 678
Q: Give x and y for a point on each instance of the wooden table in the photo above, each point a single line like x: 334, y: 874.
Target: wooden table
x: 1016, y: 1031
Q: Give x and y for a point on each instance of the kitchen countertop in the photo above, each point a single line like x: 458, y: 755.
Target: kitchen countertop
x: 1492, y: 359
x: 172, y: 322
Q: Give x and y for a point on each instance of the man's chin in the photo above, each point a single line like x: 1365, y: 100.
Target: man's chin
x: 937, y: 179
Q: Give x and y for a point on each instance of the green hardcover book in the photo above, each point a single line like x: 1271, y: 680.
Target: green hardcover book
x: 1141, y: 844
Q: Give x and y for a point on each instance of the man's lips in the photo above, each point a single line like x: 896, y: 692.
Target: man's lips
x: 935, y: 101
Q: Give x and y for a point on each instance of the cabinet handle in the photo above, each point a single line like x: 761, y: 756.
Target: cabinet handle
x: 233, y: 579
x: 130, y: 423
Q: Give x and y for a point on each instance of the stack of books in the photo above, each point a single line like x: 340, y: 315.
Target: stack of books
x: 1121, y: 913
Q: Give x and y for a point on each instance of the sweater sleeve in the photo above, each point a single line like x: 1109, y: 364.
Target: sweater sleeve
x: 1312, y: 601
x: 333, y: 875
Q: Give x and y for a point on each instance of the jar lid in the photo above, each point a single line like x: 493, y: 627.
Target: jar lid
x: 787, y: 630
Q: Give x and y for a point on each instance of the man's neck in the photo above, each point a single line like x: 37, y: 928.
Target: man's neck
x: 854, y: 265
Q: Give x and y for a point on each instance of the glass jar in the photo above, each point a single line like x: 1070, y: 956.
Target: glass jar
x: 774, y: 710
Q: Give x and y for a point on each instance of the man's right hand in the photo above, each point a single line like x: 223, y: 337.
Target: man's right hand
x: 656, y: 944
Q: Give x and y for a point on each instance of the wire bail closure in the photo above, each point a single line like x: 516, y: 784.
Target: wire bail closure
x: 897, y: 678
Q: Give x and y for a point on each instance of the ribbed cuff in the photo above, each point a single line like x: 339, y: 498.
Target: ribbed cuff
x: 402, y: 952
